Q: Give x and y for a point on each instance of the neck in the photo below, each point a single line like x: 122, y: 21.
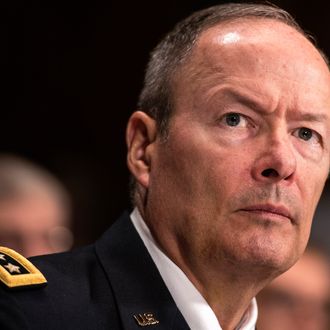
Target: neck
x: 228, y: 289
x: 229, y: 295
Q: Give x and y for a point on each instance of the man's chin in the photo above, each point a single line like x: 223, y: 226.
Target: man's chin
x: 258, y: 258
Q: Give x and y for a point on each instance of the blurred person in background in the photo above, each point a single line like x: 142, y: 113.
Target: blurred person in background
x: 34, y: 208
x: 299, y: 298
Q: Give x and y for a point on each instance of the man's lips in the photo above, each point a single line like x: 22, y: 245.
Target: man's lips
x: 270, y: 210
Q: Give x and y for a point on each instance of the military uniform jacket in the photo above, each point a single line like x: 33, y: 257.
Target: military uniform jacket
x: 112, y: 284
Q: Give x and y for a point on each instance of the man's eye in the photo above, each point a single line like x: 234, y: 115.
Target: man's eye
x: 309, y: 135
x: 233, y: 119
x: 305, y: 133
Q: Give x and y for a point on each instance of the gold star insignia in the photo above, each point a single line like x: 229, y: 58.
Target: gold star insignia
x: 12, y: 268
x: 17, y: 271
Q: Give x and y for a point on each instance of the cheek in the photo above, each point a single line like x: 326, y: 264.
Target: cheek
x: 310, y: 196
x: 205, y: 172
x: 228, y: 168
x: 312, y: 186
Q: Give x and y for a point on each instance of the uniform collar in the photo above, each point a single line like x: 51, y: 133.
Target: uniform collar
x: 135, y: 281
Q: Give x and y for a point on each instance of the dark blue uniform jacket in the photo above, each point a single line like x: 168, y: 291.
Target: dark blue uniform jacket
x: 101, y: 286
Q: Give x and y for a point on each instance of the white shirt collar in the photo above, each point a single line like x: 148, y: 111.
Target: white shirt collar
x: 194, y: 308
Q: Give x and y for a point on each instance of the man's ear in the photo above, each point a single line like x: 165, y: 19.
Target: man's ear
x: 141, y: 132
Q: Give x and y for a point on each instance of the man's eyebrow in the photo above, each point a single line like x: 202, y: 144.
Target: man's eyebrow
x: 316, y: 117
x: 253, y: 103
x: 245, y: 98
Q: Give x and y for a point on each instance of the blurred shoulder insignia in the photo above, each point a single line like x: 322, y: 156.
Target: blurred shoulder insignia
x: 16, y: 271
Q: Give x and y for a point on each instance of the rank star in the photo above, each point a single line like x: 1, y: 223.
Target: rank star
x: 2, y: 257
x: 12, y: 268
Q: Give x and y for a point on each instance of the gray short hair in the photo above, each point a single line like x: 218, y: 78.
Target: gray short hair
x: 156, y: 98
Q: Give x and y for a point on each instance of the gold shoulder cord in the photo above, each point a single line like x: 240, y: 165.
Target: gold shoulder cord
x: 16, y: 271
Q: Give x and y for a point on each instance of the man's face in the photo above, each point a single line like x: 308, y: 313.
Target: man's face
x: 247, y: 155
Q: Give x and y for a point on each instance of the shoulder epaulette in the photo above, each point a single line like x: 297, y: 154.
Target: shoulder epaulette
x: 16, y: 271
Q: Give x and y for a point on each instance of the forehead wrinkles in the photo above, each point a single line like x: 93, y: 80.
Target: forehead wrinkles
x: 258, y: 47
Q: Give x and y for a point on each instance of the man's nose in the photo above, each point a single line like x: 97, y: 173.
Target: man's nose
x: 277, y: 161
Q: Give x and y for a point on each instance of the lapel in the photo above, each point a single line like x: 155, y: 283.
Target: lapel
x: 136, y: 283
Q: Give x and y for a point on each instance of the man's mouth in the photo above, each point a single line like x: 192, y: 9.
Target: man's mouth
x: 276, y: 212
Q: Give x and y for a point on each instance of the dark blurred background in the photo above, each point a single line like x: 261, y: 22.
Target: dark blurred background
x: 71, y: 76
